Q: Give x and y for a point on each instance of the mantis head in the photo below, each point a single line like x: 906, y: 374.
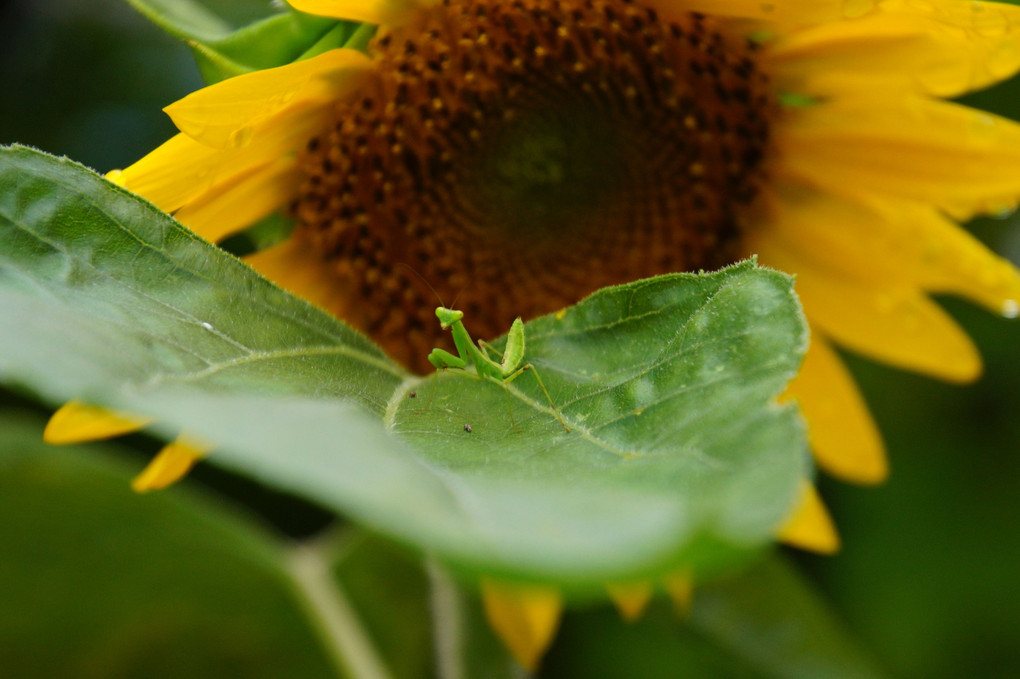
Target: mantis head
x: 448, y: 317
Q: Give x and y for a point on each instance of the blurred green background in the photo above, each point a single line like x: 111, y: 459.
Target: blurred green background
x: 927, y: 580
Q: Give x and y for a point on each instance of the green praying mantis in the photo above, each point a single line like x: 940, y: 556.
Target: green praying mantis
x: 501, y: 372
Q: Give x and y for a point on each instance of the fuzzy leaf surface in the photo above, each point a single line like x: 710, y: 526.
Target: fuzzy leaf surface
x: 675, y: 451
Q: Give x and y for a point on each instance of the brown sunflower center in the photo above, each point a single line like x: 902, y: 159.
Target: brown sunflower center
x: 519, y: 155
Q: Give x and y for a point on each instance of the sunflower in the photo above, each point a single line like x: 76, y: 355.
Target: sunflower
x: 518, y: 155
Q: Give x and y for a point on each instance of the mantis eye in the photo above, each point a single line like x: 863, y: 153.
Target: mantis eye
x: 448, y: 317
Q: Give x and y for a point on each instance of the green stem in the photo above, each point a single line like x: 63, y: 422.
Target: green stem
x: 347, y: 644
x: 464, y: 646
x: 447, y: 623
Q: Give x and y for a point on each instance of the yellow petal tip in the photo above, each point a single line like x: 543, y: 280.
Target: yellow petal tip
x: 967, y: 368
x: 845, y: 441
x: 631, y: 599
x: 810, y: 527
x: 170, y: 465
x: 870, y: 470
x: 680, y: 588
x: 524, y: 617
x: 77, y: 422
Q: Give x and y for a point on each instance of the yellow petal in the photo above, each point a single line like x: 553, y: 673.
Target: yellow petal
x: 230, y: 113
x: 901, y: 328
x: 895, y: 325
x: 297, y: 268
x: 182, y: 170
x: 945, y: 258
x: 170, y: 465
x: 245, y: 200
x: 779, y: 11
x: 365, y: 11
x: 888, y: 242
x: 525, y: 617
x: 810, y: 527
x: 680, y: 588
x: 941, y: 47
x: 843, y: 437
x: 174, y: 172
x: 961, y: 160
x: 630, y: 598
x: 76, y: 422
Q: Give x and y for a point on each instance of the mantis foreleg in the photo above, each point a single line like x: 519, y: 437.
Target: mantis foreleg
x: 482, y: 356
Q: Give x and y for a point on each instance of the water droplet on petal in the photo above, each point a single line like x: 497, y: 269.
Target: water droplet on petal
x: 240, y: 137
x: 195, y: 130
x: 280, y: 101
x: 1010, y: 308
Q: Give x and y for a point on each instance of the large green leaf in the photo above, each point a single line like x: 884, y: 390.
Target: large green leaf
x: 675, y: 449
x: 665, y: 384
x: 97, y: 581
